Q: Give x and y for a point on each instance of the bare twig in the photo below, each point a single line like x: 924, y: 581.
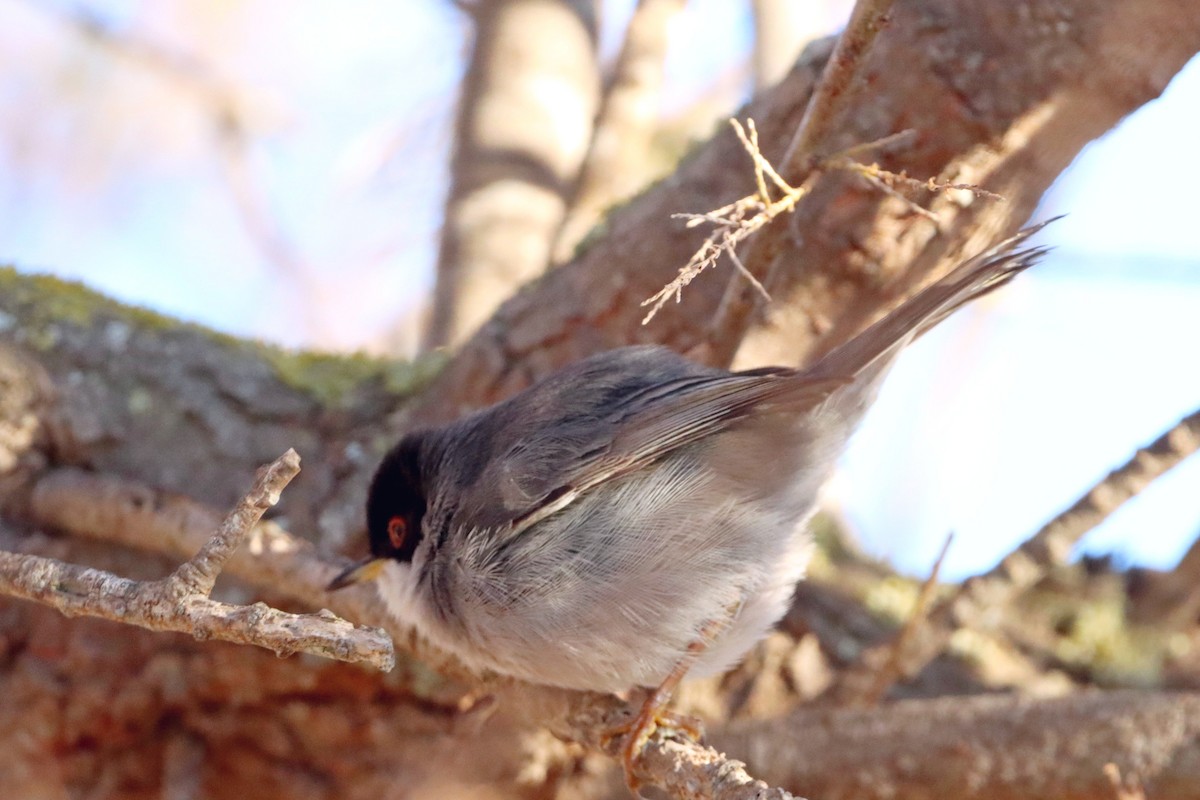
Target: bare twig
x: 1129, y: 788
x: 896, y: 667
x: 181, y: 602
x: 113, y: 509
x: 1021, y: 569
x: 834, y: 91
x: 199, y: 573
x: 733, y: 224
x: 736, y: 222
x: 829, y: 101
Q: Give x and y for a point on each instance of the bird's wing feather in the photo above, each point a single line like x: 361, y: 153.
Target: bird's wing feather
x: 615, y: 427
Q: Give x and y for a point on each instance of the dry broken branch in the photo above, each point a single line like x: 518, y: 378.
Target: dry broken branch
x: 738, y: 221
x: 829, y: 100
x: 895, y: 666
x: 181, y: 602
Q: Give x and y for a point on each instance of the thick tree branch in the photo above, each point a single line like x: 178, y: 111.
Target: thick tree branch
x: 998, y: 747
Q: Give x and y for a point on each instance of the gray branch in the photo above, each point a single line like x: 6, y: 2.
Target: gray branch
x: 181, y: 602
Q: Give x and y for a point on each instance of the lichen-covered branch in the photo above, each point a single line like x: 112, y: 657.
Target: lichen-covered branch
x: 181, y: 602
x: 198, y: 574
x: 111, y: 509
x: 81, y: 591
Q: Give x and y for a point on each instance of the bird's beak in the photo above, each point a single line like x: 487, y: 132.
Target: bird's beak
x: 365, y: 570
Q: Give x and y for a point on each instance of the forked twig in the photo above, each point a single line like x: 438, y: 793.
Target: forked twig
x: 181, y: 602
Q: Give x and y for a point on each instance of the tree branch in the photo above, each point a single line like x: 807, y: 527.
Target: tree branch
x: 983, y: 595
x: 828, y: 105
x: 525, y: 118
x: 181, y: 602
x: 849, y: 254
x: 998, y: 747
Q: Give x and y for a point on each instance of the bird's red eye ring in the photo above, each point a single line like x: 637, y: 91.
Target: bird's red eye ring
x: 397, y: 531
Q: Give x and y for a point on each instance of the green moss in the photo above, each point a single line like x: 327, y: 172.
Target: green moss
x: 1100, y: 639
x: 893, y: 598
x: 42, y: 304
x: 331, y: 377
x: 43, y: 301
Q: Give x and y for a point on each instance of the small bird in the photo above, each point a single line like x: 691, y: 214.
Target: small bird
x: 633, y: 517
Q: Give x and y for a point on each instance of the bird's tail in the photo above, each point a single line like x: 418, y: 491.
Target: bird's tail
x: 972, y: 279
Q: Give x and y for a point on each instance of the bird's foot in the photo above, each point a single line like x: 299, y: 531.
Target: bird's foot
x: 637, y: 732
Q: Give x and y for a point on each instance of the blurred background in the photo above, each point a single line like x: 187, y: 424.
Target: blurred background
x: 278, y: 170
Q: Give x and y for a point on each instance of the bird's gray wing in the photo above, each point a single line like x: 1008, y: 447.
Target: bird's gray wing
x: 611, y: 416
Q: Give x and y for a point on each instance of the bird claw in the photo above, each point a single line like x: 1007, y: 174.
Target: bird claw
x: 652, y: 719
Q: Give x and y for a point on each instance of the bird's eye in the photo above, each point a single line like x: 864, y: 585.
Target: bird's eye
x: 397, y: 531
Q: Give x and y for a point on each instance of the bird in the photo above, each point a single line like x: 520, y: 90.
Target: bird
x: 634, y: 517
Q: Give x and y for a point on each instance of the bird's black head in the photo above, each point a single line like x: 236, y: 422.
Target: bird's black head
x: 396, y: 502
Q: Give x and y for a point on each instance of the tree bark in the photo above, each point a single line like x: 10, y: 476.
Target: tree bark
x: 994, y: 747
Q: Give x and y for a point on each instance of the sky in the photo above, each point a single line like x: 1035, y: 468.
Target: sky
x: 987, y: 427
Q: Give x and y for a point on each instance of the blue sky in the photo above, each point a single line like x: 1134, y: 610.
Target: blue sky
x: 987, y: 427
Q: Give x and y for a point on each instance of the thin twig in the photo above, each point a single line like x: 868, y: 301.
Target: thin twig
x: 733, y: 223
x: 181, y: 602
x: 825, y: 109
x: 199, y: 573
x: 896, y: 666
x: 1050, y: 547
x: 113, y: 509
x: 736, y: 222
x: 834, y: 91
x: 1123, y: 788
